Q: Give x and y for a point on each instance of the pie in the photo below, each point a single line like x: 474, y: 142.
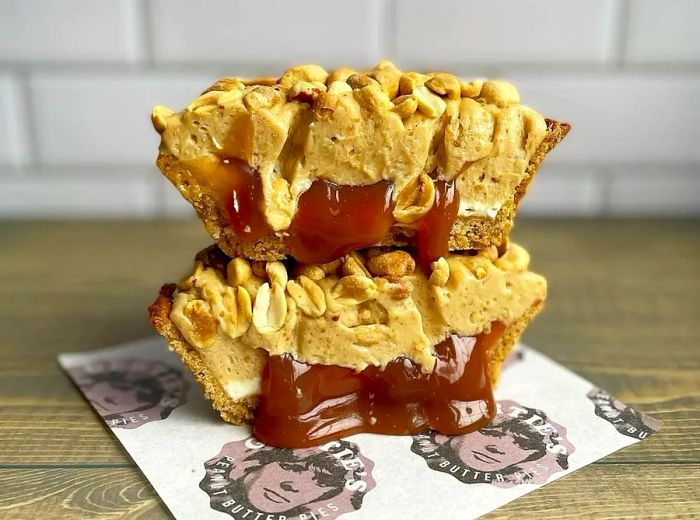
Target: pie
x: 436, y: 162
x: 362, y: 277
x: 267, y: 339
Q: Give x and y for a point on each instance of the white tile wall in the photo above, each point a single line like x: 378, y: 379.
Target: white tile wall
x: 78, y: 79
x: 620, y: 118
x: 447, y: 32
x: 571, y: 190
x: 63, y: 30
x: 12, y: 122
x: 76, y: 193
x: 659, y: 190
x: 266, y: 32
x: 104, y: 118
x: 673, y: 23
x: 174, y: 206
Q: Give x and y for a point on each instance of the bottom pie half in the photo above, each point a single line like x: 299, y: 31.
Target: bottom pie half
x: 367, y: 343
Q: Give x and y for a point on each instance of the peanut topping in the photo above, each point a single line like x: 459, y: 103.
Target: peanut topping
x: 471, y: 89
x: 308, y: 73
x: 514, y: 259
x: 353, y: 264
x: 478, y: 266
x: 444, y: 85
x: 354, y: 289
x: 394, y: 264
x: 305, y: 92
x: 405, y: 106
x: 339, y: 87
x: 312, y: 272
x: 159, y: 116
x: 415, y: 200
x: 388, y: 77
x: 231, y: 308
x: 410, y: 81
x: 499, y: 93
x: 331, y: 313
x: 440, y: 272
x: 428, y: 103
x: 261, y: 97
x: 270, y: 309
x: 358, y: 81
x: 398, y: 289
x: 340, y: 75
x: 491, y: 253
x: 276, y: 273
x: 259, y: 268
x: 356, y: 128
x: 226, y: 84
x: 208, y: 98
x: 239, y: 272
x: 309, y: 297
x: 202, y: 329
x: 327, y: 103
x: 373, y: 98
x: 331, y: 267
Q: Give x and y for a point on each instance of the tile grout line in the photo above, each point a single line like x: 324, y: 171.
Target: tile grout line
x: 132, y: 23
x: 563, y: 70
x: 387, y: 29
x: 604, y: 177
x: 620, y: 31
x: 30, y: 137
x: 159, y: 198
x: 147, y: 36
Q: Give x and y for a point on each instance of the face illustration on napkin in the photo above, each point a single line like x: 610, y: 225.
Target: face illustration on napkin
x: 249, y: 477
x: 528, y: 444
x: 497, y: 446
x: 521, y: 445
x: 130, y: 392
x: 625, y: 419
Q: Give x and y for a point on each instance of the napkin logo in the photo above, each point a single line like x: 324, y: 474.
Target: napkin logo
x: 625, y: 419
x: 521, y: 445
x: 130, y: 392
x: 250, y: 480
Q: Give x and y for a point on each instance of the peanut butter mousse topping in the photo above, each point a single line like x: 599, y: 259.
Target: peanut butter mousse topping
x: 365, y: 309
x: 354, y: 128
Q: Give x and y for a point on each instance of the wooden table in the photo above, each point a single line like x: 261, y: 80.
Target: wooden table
x: 623, y: 311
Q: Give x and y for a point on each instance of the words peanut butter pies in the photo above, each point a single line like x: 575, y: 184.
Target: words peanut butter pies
x: 362, y: 278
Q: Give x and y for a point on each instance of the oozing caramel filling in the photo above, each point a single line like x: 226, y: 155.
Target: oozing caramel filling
x: 433, y: 230
x: 333, y: 220
x: 305, y: 405
x: 242, y: 201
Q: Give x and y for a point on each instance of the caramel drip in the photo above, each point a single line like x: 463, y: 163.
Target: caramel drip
x: 305, y: 405
x: 242, y: 199
x: 433, y: 230
x: 238, y: 142
x: 333, y: 220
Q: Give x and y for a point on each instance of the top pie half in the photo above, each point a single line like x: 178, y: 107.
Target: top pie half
x: 314, y: 164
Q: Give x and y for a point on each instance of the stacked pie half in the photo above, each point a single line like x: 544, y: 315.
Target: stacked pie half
x: 362, y: 278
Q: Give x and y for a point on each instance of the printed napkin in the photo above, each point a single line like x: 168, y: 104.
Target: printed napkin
x: 550, y: 422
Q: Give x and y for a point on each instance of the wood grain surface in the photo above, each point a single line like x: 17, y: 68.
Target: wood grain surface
x: 623, y: 311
